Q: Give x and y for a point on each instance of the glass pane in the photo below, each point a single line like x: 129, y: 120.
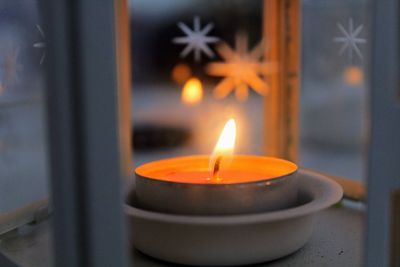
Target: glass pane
x: 335, y: 57
x: 23, y: 151
x: 22, y: 118
x: 171, y: 119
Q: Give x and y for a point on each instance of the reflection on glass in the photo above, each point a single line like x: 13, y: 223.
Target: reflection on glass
x: 23, y: 170
x: 333, y: 93
x: 192, y: 62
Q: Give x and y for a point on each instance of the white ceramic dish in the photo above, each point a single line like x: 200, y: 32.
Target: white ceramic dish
x: 232, y: 239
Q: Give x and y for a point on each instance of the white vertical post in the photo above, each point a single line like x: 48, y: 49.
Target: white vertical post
x: 382, y: 247
x: 84, y: 145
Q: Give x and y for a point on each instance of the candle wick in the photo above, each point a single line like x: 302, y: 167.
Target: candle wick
x: 217, y: 165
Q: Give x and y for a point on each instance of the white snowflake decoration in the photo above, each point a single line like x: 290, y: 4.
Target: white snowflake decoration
x: 41, y: 45
x: 350, y: 39
x: 242, y: 69
x: 196, y: 40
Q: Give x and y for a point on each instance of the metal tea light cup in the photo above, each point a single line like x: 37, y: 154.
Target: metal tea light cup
x: 269, y: 194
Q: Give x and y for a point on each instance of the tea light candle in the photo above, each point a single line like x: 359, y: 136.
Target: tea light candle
x: 219, y: 184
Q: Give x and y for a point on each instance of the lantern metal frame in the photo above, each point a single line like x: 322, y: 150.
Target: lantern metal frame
x: 383, y: 220
x: 88, y: 109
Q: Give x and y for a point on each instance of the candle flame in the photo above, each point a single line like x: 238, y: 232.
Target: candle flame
x: 192, y: 92
x: 223, y: 150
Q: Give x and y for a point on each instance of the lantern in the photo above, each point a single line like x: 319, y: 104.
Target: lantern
x: 90, y: 90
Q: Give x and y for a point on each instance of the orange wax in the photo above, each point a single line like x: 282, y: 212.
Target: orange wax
x: 226, y: 177
x: 196, y: 170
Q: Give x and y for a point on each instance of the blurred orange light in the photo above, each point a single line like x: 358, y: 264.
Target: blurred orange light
x: 353, y: 76
x: 181, y: 73
x: 192, y: 92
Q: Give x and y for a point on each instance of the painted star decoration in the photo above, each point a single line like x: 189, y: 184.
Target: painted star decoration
x: 196, y: 39
x: 41, y: 45
x: 350, y: 40
x: 241, y: 69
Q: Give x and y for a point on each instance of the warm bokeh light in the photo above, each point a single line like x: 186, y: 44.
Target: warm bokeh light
x: 223, y: 150
x: 181, y: 73
x: 242, y: 69
x: 192, y: 92
x: 353, y: 76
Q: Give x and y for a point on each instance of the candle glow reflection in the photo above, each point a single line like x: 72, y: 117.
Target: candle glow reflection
x: 192, y: 93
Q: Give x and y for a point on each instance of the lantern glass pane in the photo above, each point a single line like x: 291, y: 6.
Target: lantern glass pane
x: 23, y: 162
x: 189, y: 58
x: 24, y: 177
x: 335, y: 56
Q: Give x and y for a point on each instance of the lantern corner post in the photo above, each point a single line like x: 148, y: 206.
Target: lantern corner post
x: 281, y: 32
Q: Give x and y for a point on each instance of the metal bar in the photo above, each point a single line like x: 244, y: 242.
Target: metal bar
x: 395, y: 229
x: 62, y: 143
x: 83, y: 122
x: 124, y: 84
x: 384, y: 168
x: 282, y: 42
